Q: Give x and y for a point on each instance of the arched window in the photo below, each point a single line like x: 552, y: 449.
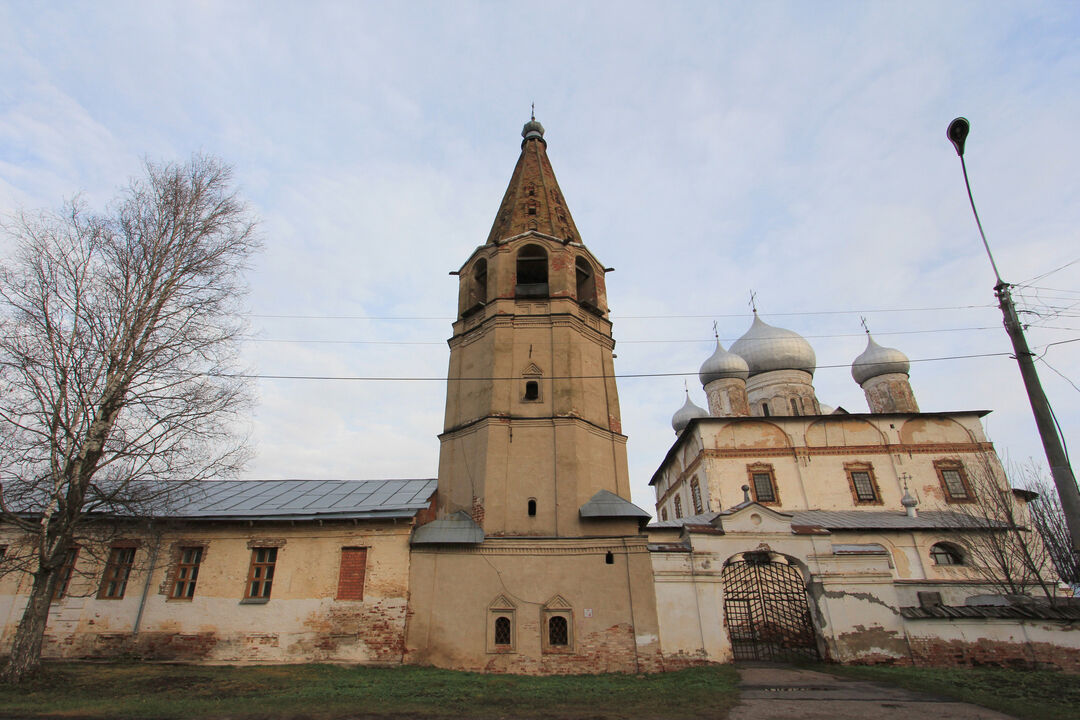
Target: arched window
x: 558, y: 631
x: 946, y: 554
x: 695, y: 495
x: 532, y: 507
x: 609, y: 558
x: 586, y: 282
x: 794, y: 406
x: 502, y: 631
x: 532, y: 272
x: 765, y: 409
x: 532, y: 390
x: 479, y: 285
x: 663, y: 513
x: 678, y: 506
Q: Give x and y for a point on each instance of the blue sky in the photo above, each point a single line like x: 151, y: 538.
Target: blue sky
x: 705, y: 149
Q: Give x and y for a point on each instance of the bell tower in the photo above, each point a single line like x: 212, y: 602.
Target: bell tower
x: 532, y: 429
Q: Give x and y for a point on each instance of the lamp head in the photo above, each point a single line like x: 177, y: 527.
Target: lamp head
x: 957, y: 134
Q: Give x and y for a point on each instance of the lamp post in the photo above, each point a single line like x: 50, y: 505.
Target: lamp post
x: 1044, y: 419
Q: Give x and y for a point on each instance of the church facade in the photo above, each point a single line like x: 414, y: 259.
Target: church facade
x: 784, y: 529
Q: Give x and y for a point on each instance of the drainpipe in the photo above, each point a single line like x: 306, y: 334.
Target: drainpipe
x: 146, y: 585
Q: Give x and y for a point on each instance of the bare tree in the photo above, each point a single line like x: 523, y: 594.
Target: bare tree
x: 1000, y: 542
x: 118, y: 357
x: 1048, y: 518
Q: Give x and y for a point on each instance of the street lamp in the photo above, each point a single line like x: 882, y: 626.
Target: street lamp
x: 1044, y: 419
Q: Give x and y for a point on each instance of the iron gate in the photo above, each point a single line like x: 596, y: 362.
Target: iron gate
x: 766, y: 611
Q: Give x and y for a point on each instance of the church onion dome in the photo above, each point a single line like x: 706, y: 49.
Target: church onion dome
x: 533, y: 128
x: 686, y: 413
x: 877, y: 360
x: 766, y: 348
x: 723, y: 364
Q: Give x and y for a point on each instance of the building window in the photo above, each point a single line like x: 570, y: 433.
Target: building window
x: 663, y: 513
x: 261, y: 573
x: 351, y: 574
x: 502, y: 631
x: 794, y: 406
x: 695, y: 495
x: 678, y: 506
x: 946, y: 554
x: 500, y: 627
x: 558, y: 626
x: 532, y: 507
x: 586, y: 282
x: 763, y: 484
x: 532, y: 272
x: 558, y: 631
x: 117, y: 570
x: 765, y: 409
x: 954, y: 481
x: 609, y: 558
x: 863, y: 484
x: 187, y: 573
x: 532, y: 390
x: 66, y: 570
x: 479, y: 284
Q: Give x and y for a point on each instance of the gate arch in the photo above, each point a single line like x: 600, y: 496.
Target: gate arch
x: 766, y: 610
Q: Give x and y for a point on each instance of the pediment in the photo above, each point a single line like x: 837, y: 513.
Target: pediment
x: 532, y: 369
x: 557, y: 603
x: 501, y: 603
x: 754, y: 517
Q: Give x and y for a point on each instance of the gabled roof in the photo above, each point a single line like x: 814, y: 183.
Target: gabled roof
x: 606, y: 504
x: 304, y: 499
x: 533, y: 200
x: 457, y: 528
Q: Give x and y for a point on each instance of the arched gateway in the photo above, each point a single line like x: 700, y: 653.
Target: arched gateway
x: 765, y: 609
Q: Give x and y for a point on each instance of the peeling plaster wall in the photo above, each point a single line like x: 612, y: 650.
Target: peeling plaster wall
x: 301, y: 622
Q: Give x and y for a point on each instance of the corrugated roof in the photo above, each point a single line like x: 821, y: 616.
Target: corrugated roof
x: 606, y: 504
x: 305, y: 499
x: 457, y: 528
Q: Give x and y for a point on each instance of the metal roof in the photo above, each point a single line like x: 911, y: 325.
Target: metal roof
x: 304, y: 499
x: 606, y: 504
x: 853, y: 520
x: 457, y: 528
x: 1026, y: 611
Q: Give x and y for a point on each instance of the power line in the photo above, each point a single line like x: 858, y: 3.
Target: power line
x: 361, y: 378
x: 1051, y: 272
x: 632, y: 317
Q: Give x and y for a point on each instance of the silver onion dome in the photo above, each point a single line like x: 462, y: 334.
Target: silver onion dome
x: 766, y: 348
x: 723, y: 364
x: 877, y: 360
x: 533, y: 128
x: 686, y: 413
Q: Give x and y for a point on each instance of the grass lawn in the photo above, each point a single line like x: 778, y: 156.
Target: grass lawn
x: 140, y: 690
x: 1034, y: 694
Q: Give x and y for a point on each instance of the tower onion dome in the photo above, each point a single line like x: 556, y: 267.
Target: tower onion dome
x: 723, y: 364
x: 533, y: 128
x: 877, y: 360
x: 766, y: 348
x: 686, y: 413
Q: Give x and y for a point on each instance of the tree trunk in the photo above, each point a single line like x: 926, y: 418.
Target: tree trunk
x: 26, y: 649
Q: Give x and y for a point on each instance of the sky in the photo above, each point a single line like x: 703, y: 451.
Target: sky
x: 706, y: 150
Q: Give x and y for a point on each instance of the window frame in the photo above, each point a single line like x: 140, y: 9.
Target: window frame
x: 67, y: 569
x: 695, y: 496
x: 190, y: 570
x: 950, y: 550
x: 114, y: 577
x: 557, y: 607
x: 530, y: 259
x: 763, y: 469
x: 863, y: 467
x: 677, y: 504
x: 501, y: 608
x: 265, y: 584
x: 952, y: 465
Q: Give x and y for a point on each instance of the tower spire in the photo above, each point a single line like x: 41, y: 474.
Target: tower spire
x: 533, y: 200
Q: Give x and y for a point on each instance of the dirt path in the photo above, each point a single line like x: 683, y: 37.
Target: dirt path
x: 776, y: 692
